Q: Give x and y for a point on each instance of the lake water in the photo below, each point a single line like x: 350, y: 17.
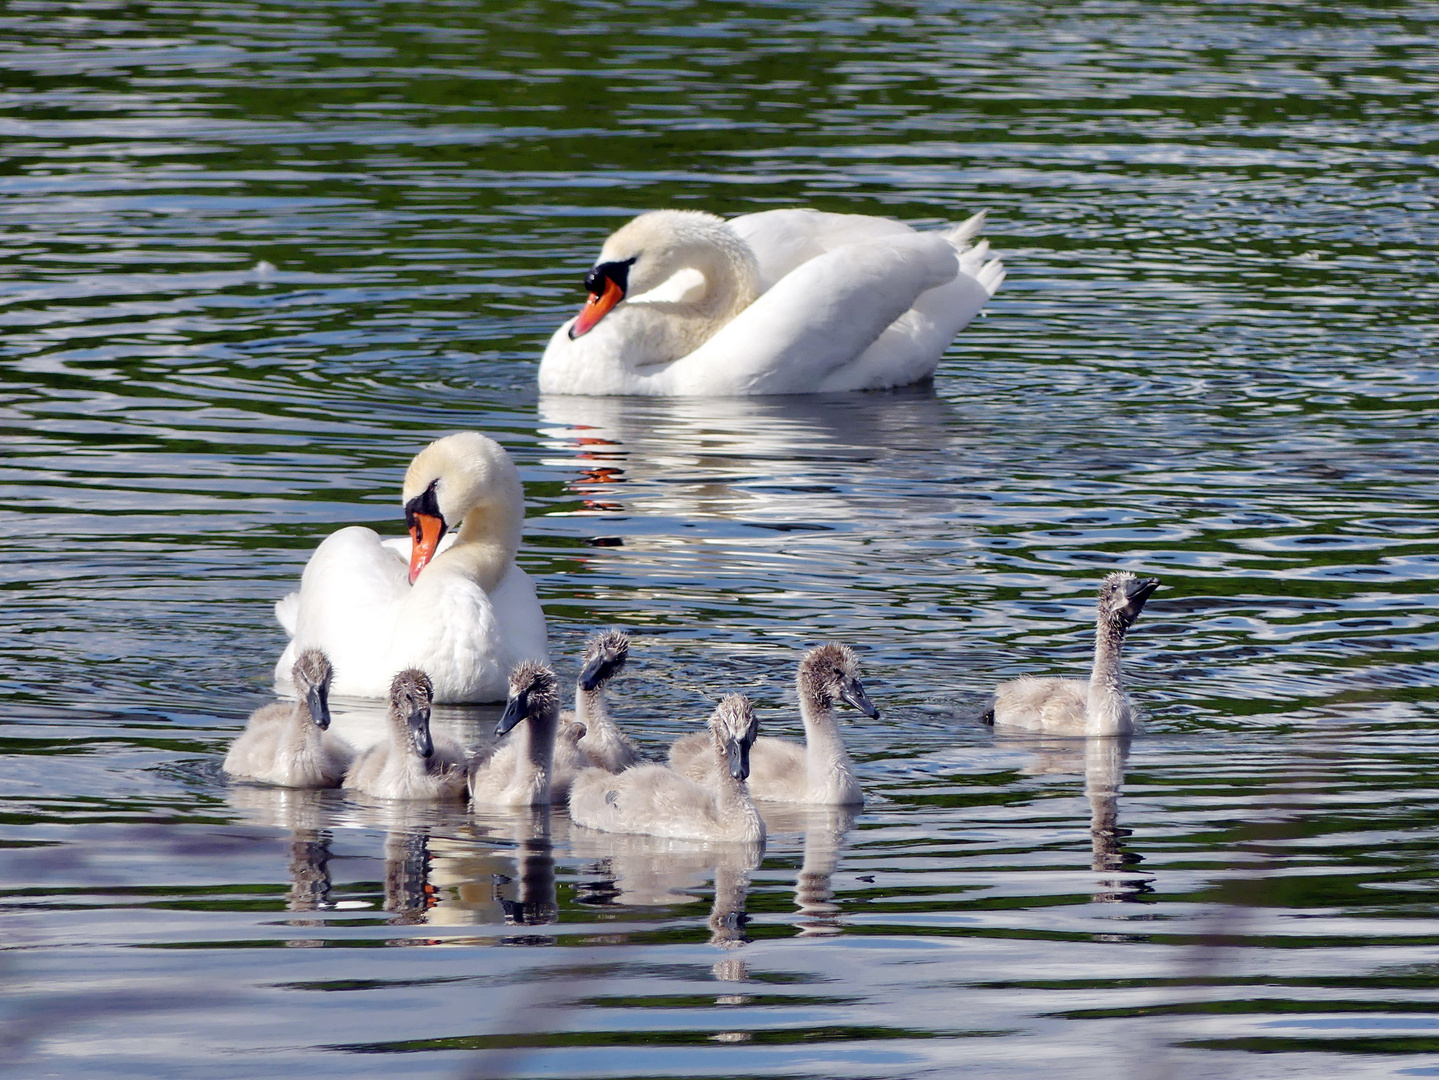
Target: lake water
x: 257, y: 254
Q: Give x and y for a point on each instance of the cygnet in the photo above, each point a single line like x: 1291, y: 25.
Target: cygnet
x: 819, y: 771
x: 1094, y: 706
x: 658, y: 801
x: 603, y: 742
x: 412, y: 764
x: 519, y: 772
x: 290, y: 744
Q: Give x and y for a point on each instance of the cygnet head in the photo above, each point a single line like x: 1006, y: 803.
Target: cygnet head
x: 605, y: 657
x: 649, y: 250
x: 1121, y: 599
x: 311, y: 675
x: 410, y: 697
x: 534, y: 695
x: 734, y: 729
x: 452, y: 478
x: 829, y: 674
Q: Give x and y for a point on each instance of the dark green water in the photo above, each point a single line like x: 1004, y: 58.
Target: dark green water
x: 256, y: 255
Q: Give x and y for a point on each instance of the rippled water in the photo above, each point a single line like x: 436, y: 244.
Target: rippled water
x: 258, y: 254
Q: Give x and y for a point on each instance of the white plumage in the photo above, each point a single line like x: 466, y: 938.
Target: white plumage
x: 779, y: 302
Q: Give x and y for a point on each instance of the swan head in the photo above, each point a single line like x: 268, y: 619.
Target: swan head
x: 605, y: 657
x: 311, y: 675
x: 734, y: 729
x: 410, y: 697
x: 1121, y: 598
x: 650, y: 250
x: 830, y: 674
x: 534, y: 695
x: 466, y: 479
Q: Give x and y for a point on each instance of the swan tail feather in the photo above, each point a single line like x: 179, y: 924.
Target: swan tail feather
x: 287, y: 612
x: 966, y: 230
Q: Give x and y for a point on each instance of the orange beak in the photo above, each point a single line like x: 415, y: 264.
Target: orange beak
x: 596, y: 308
x: 425, y: 533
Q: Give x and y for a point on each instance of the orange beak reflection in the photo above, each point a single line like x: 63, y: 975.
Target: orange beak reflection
x: 425, y: 533
x: 596, y: 308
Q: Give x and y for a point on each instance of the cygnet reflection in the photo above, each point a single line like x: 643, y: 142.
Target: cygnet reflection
x: 636, y: 870
x: 500, y: 872
x: 825, y: 830
x: 306, y: 813
x: 698, y: 457
x: 1102, y: 762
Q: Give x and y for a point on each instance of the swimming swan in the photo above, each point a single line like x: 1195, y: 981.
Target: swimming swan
x: 291, y: 744
x: 520, y: 771
x: 603, y: 742
x: 819, y: 771
x: 464, y: 613
x: 412, y: 764
x: 780, y: 302
x: 1094, y: 706
x: 658, y: 801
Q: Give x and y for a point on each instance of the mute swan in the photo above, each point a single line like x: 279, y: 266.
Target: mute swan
x: 519, y: 772
x: 658, y: 801
x: 290, y: 744
x: 603, y: 742
x: 587, y: 737
x: 780, y: 302
x: 465, y: 613
x: 1094, y: 706
x: 820, y: 770
x: 412, y: 764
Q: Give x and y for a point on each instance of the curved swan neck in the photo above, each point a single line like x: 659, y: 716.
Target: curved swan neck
x: 535, y: 751
x: 663, y: 244
x: 827, y: 762
x: 1108, y: 706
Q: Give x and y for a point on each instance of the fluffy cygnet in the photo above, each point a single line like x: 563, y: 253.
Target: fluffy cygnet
x: 290, y: 744
x: 412, y: 764
x: 819, y: 770
x: 1094, y: 706
x: 603, y: 742
x: 658, y: 801
x: 519, y: 772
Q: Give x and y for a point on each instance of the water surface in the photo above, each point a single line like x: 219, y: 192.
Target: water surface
x: 258, y: 255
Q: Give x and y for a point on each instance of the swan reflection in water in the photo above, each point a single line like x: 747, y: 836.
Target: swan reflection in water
x: 768, y: 460
x: 1101, y: 761
x: 305, y: 813
x: 825, y: 829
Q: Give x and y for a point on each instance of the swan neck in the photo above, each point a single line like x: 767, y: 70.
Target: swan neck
x: 484, y: 550
x: 535, y: 752
x: 1108, y: 706
x: 827, y: 762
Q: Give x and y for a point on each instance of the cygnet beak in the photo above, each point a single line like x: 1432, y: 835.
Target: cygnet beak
x: 419, y: 721
x: 598, y: 670
x: 514, y: 712
x: 317, y: 699
x: 739, y: 760
x: 853, y: 695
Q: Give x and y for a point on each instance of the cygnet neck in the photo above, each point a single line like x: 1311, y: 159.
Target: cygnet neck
x: 827, y: 762
x: 535, y: 752
x: 1108, y: 706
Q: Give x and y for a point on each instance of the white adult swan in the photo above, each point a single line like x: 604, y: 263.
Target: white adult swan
x: 1094, y: 706
x: 780, y: 302
x: 464, y: 612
